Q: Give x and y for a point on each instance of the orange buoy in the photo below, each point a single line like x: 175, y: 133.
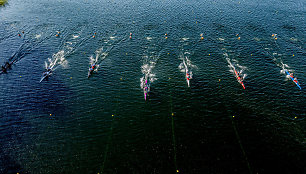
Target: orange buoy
x: 238, y: 38
x: 202, y: 38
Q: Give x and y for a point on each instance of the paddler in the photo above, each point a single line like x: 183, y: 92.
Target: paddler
x: 295, y: 80
x: 7, y: 64
x: 93, y: 66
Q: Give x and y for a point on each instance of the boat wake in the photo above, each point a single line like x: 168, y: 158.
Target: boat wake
x: 31, y: 41
x: 186, y: 67
x: 102, y: 53
x: 146, y: 70
x: 236, y: 69
x: 147, y: 79
x: 149, y: 62
x: 68, y: 47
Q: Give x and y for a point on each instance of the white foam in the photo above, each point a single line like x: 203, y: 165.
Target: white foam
x: 37, y: 36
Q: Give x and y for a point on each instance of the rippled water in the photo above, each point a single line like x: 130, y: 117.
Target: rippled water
x: 71, y: 124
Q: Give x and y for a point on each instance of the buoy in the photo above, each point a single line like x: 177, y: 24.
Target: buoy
x: 272, y: 35
x: 219, y: 80
x: 166, y: 37
x: 202, y: 38
x: 251, y: 54
x: 56, y: 35
x: 168, y: 53
x: 22, y: 32
x: 238, y: 38
x: 276, y: 38
x: 130, y: 34
x: 19, y: 34
x: 130, y: 37
x: 209, y: 54
x: 201, y: 34
x: 177, y: 171
x: 112, y: 115
x: 70, y: 77
x: 93, y: 36
x: 172, y: 114
x: 295, y: 117
x: 95, y: 33
x: 50, y: 114
x: 237, y: 34
x: 166, y: 34
x: 125, y: 53
x: 121, y: 78
x: 233, y: 116
x: 169, y: 78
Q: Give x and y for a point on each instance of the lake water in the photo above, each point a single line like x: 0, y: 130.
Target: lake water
x: 102, y: 124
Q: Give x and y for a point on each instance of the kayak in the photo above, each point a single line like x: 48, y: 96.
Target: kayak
x: 239, y: 79
x: 90, y: 72
x: 145, y: 93
x: 5, y: 67
x: 146, y: 90
x: 91, y: 69
x: 294, y: 81
x: 187, y: 74
x: 45, y: 75
x: 188, y: 79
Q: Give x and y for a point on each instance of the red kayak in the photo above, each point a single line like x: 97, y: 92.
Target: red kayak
x: 239, y: 79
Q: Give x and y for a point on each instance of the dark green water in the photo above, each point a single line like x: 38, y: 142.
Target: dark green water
x: 71, y: 124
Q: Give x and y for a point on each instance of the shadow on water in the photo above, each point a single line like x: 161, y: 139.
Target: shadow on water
x: 8, y: 165
x: 271, y: 144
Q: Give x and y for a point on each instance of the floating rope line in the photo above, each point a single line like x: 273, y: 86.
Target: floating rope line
x: 240, y: 144
x: 107, y: 145
x: 173, y: 133
x: 110, y: 134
